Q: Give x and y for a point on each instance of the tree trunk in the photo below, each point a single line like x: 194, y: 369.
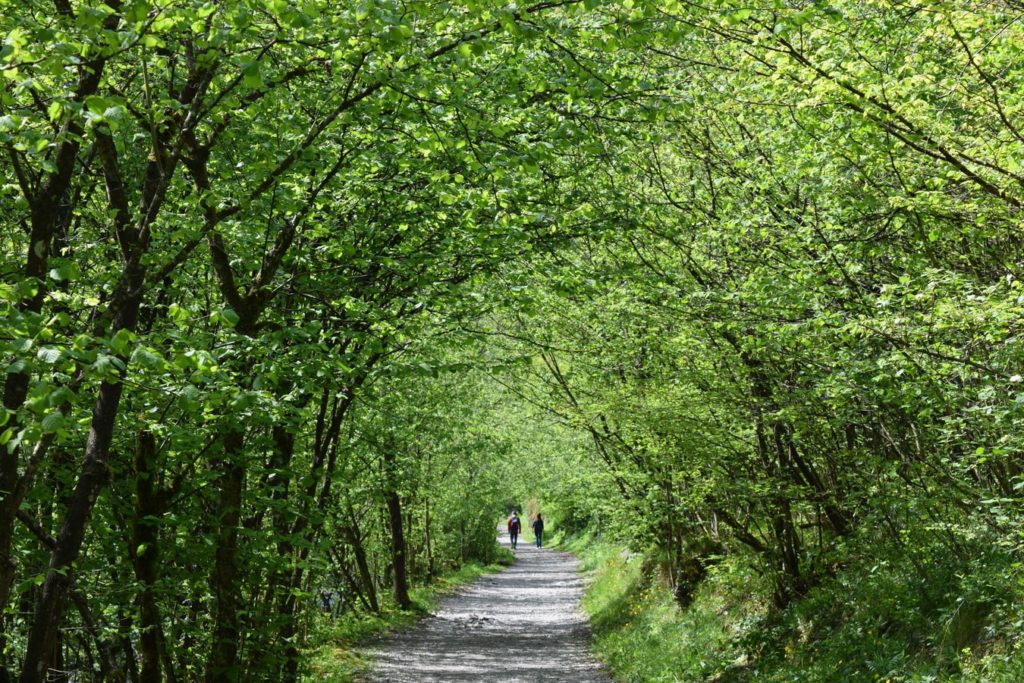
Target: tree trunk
x: 426, y: 537
x: 355, y: 539
x: 145, y: 554
x: 398, y: 551
x: 48, y: 209
x: 398, y: 548
x: 278, y: 592
x: 222, y: 663
x: 92, y: 477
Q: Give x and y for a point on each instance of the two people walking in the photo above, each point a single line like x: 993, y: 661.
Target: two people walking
x: 515, y: 525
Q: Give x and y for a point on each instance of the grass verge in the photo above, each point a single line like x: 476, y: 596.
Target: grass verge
x: 867, y: 624
x: 640, y: 633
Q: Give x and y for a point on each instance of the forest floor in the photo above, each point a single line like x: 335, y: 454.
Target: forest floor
x: 523, y: 625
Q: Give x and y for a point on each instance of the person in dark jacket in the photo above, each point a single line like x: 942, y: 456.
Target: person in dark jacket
x: 514, y: 527
x: 538, y: 528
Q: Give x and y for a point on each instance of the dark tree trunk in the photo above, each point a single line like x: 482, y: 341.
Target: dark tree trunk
x: 48, y: 209
x: 355, y: 539
x: 222, y: 663
x: 92, y: 477
x: 426, y: 537
x: 278, y: 593
x: 805, y: 474
x: 398, y: 551
x: 145, y: 552
x: 398, y: 548
x: 318, y: 494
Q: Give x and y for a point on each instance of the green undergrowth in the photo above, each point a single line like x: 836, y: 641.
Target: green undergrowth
x: 640, y: 633
x: 335, y: 655
x: 869, y: 622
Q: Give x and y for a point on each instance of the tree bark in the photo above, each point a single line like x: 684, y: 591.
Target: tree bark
x: 426, y: 537
x: 145, y: 554
x: 278, y: 592
x: 355, y: 539
x: 222, y: 663
x: 92, y: 477
x: 398, y: 547
x: 47, y: 210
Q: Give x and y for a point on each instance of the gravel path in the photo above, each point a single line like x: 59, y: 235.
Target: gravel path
x: 523, y: 625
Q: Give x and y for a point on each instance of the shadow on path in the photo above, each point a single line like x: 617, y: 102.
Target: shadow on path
x: 523, y: 625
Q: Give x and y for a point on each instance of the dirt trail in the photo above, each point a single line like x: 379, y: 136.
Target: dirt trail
x: 523, y: 625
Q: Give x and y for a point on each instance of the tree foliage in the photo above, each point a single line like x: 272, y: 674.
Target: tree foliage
x: 758, y: 264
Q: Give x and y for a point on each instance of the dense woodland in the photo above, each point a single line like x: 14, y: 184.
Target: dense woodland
x: 298, y: 298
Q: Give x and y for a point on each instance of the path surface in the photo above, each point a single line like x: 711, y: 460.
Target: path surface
x: 523, y: 625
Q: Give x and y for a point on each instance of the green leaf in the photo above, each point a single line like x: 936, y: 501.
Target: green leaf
x: 252, y: 76
x: 53, y: 422
x: 229, y: 316
x: 49, y: 354
x: 122, y: 341
x: 65, y: 272
x: 148, y: 358
x: 740, y: 15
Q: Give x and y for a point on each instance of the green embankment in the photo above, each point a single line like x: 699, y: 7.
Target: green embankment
x: 868, y: 623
